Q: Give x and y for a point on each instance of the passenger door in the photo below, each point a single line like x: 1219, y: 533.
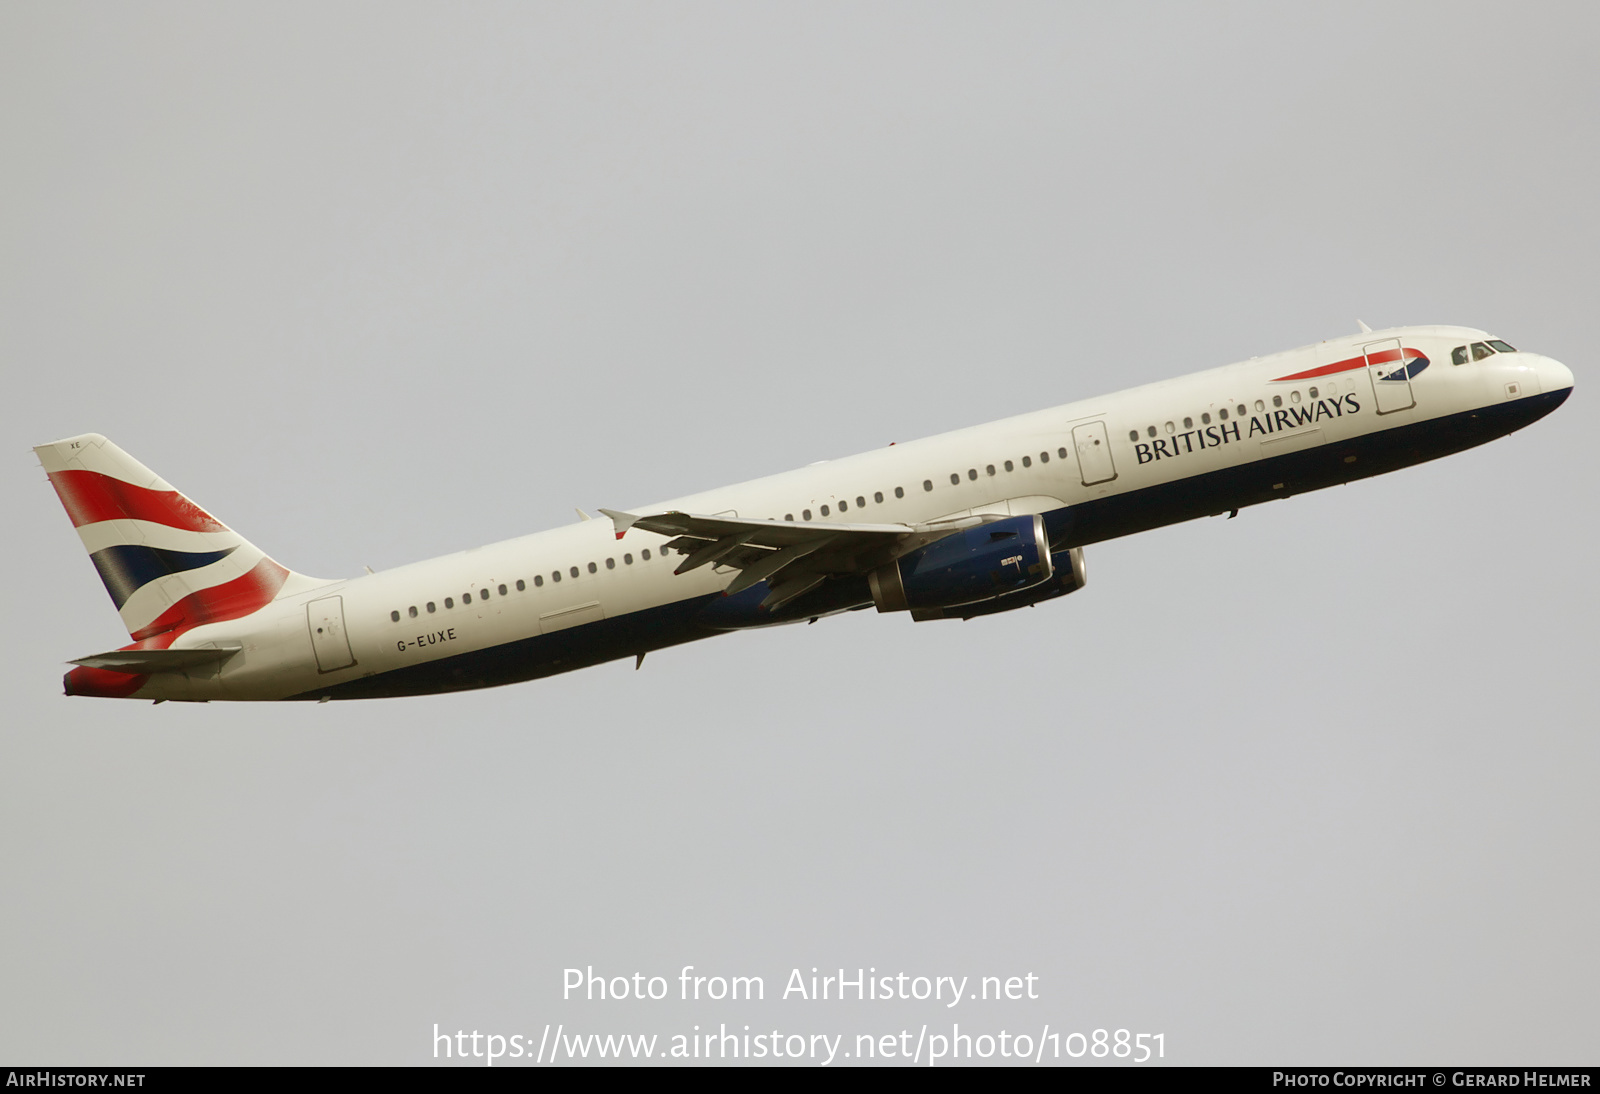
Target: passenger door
x: 325, y: 621
x: 1386, y: 365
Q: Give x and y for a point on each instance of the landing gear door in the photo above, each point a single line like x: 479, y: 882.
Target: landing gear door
x: 325, y: 620
x: 1391, y: 384
x: 1094, y: 453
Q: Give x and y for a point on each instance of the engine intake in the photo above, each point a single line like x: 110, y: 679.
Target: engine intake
x: 971, y: 566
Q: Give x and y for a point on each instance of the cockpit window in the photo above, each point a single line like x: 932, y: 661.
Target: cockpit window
x: 1501, y: 346
x: 1458, y: 356
x: 1480, y: 351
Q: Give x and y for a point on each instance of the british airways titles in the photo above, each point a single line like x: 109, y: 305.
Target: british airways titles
x: 1263, y: 422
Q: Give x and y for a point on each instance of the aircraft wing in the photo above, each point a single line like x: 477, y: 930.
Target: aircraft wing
x: 791, y: 557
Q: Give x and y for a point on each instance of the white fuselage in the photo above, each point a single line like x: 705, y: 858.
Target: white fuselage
x: 1044, y: 462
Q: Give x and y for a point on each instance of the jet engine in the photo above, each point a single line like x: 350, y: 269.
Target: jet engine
x: 970, y: 567
x: 1070, y: 576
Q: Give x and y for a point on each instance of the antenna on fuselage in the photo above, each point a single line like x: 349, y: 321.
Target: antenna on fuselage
x: 1364, y: 328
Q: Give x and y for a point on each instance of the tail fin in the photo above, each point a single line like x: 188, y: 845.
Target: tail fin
x: 167, y: 563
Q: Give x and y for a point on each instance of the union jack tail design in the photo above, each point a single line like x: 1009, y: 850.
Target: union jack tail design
x: 168, y: 564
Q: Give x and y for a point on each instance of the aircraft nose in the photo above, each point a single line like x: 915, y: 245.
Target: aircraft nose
x: 1553, y: 375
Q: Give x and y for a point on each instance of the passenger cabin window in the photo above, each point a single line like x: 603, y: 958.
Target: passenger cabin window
x: 899, y: 492
x: 395, y: 616
x: 1027, y: 461
x: 1205, y: 419
x: 1044, y: 457
x: 431, y: 608
x: 861, y: 503
x: 1151, y: 431
x: 593, y: 567
x: 538, y: 581
x: 573, y: 570
x: 645, y: 554
x: 878, y: 497
x: 1012, y: 467
x: 1313, y: 393
x: 1503, y: 347
x: 1223, y: 413
x: 844, y: 506
x: 1277, y: 400
x: 449, y: 601
x: 466, y: 598
x: 927, y: 484
x: 972, y: 473
x: 1480, y: 351
x: 1458, y: 356
x: 824, y: 510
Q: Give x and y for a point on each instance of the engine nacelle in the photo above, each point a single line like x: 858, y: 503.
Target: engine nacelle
x: 1070, y: 576
x: 972, y: 566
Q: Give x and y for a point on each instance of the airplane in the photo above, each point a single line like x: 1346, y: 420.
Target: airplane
x: 970, y: 523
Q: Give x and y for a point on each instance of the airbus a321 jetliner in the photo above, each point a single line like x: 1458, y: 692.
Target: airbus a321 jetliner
x: 975, y: 522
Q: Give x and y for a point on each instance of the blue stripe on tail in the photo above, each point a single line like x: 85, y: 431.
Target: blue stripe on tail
x: 129, y: 567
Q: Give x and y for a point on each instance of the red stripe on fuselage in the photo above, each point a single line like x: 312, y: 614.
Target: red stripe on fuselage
x: 1350, y: 364
x: 90, y: 497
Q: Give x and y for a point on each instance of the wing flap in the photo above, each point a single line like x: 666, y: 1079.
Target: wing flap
x: 706, y: 553
x: 761, y: 569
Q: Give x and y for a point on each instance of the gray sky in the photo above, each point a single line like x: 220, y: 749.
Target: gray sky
x: 374, y: 282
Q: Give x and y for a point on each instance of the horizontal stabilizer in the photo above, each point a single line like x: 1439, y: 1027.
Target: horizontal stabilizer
x: 144, y: 662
